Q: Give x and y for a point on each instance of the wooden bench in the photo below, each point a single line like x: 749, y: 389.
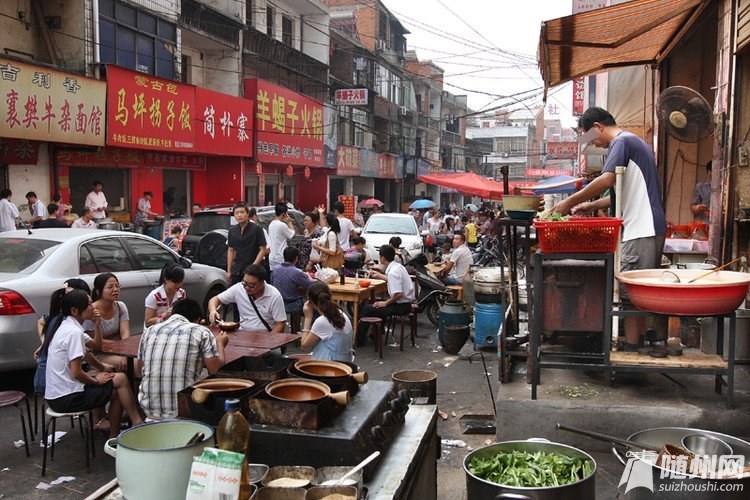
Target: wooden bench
x: 457, y: 291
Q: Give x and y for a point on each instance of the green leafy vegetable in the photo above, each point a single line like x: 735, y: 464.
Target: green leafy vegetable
x: 530, y: 470
x: 548, y: 216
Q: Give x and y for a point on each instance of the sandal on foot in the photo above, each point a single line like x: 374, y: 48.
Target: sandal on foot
x: 102, y: 425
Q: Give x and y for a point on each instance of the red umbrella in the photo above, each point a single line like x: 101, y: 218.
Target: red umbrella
x: 467, y: 182
x: 370, y: 202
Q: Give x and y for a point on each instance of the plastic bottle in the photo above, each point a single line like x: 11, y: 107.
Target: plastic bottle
x: 233, y: 434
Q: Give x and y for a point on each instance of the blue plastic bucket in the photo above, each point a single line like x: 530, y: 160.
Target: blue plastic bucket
x: 487, y: 321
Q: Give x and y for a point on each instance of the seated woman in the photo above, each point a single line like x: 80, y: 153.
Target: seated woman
x: 159, y: 302
x: 115, y: 319
x: 357, y: 246
x: 330, y: 336
x: 71, y: 389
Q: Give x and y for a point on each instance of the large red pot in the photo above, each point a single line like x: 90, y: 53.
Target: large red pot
x: 719, y: 293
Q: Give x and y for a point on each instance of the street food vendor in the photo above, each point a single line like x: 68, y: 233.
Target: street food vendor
x: 143, y: 209
x: 96, y: 201
x: 701, y: 203
x: 644, y: 223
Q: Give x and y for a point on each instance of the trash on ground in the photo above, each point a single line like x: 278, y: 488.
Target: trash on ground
x: 453, y: 443
x: 63, y: 479
x: 443, y: 415
x: 488, y: 442
x: 58, y: 437
x: 19, y: 443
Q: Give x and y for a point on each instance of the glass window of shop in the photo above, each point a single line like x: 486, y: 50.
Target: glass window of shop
x: 115, y: 186
x: 135, y: 39
x: 271, y: 191
x: 176, y: 192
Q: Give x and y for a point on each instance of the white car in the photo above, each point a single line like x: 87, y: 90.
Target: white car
x: 380, y: 228
x: 34, y: 265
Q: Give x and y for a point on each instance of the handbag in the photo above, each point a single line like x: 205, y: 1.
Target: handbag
x: 335, y: 261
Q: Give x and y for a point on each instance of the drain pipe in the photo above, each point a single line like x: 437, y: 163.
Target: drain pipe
x: 619, y: 171
x: 97, y: 60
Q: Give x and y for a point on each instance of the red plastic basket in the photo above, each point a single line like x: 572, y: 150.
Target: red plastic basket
x: 579, y: 235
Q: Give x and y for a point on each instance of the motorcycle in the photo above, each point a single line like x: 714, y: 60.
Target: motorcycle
x: 488, y: 253
x: 432, y: 292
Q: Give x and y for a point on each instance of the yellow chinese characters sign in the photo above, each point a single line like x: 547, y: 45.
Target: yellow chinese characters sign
x: 289, y: 126
x: 146, y: 112
x: 43, y: 104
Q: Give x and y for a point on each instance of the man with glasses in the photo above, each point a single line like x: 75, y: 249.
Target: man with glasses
x: 261, y: 306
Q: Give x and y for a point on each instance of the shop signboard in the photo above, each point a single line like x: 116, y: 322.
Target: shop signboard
x: 351, y: 97
x: 223, y: 124
x: 348, y: 161
x: 289, y: 127
x: 579, y: 91
x: 369, y: 163
x: 350, y: 204
x: 19, y: 151
x: 546, y: 172
x: 387, y: 166
x: 171, y: 160
x: 330, y: 136
x: 42, y: 104
x: 400, y: 164
x: 101, y: 157
x: 424, y: 167
x: 562, y: 150
x: 146, y: 112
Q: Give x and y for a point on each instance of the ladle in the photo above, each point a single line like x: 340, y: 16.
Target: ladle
x: 357, y: 468
x: 671, y: 277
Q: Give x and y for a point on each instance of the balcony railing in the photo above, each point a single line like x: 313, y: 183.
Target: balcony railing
x: 198, y: 16
x: 267, y: 48
x: 450, y: 138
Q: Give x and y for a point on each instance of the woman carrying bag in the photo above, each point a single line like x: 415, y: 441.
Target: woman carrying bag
x: 331, y: 254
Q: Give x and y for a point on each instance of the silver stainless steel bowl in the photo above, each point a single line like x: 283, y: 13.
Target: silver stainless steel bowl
x: 702, y: 445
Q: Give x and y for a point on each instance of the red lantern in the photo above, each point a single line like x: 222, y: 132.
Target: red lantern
x: 289, y: 171
x: 259, y: 168
x: 307, y: 173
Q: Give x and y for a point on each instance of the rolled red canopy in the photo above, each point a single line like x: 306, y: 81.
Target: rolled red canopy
x: 467, y: 182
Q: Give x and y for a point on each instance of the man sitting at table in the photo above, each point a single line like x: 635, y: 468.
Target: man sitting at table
x: 261, y: 306
x: 400, y: 291
x: 288, y: 279
x: 172, y: 355
x: 458, y: 264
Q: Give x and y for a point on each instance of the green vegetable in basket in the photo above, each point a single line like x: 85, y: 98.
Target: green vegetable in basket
x: 523, y: 469
x: 548, y: 216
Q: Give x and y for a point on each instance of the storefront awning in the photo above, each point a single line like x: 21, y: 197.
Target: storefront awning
x: 467, y: 182
x: 632, y: 33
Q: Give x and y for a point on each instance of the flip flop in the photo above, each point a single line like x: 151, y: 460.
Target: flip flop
x: 102, y: 425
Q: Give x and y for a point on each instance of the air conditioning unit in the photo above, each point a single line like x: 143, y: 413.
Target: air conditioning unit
x: 403, y: 110
x: 379, y: 44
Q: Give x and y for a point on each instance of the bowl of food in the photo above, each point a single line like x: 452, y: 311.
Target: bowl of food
x: 228, y: 326
x: 364, y: 283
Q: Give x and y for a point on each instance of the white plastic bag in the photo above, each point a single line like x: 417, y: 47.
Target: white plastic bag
x: 327, y: 275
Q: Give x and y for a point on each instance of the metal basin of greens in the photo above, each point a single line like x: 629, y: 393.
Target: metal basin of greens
x: 529, y: 469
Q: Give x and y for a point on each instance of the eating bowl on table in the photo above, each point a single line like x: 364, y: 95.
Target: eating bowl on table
x: 364, y: 283
x: 228, y: 326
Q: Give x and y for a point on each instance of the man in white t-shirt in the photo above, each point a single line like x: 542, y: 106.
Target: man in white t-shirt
x: 280, y: 232
x: 85, y: 220
x: 459, y: 263
x: 8, y: 211
x: 96, y: 201
x: 347, y: 227
x: 37, y: 209
x: 270, y: 315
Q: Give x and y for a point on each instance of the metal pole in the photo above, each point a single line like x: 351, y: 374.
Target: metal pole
x: 619, y: 171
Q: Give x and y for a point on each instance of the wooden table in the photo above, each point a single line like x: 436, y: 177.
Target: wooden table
x: 436, y: 269
x: 261, y: 340
x: 352, y: 292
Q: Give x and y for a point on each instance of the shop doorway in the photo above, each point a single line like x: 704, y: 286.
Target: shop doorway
x: 115, y: 185
x: 176, y: 192
x: 3, y: 177
x: 336, y: 187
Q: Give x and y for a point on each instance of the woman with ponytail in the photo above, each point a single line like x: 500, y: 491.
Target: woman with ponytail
x: 71, y: 389
x: 330, y: 335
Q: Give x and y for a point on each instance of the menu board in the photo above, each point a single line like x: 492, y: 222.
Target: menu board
x: 350, y: 204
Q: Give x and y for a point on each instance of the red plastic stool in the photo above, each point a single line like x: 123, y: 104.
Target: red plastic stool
x: 13, y: 398
x: 377, y: 331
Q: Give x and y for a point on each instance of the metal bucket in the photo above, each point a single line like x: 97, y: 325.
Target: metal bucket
x: 420, y: 384
x: 455, y: 338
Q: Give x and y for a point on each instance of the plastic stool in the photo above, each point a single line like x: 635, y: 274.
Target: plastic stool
x: 377, y: 331
x: 13, y: 398
x: 86, y: 421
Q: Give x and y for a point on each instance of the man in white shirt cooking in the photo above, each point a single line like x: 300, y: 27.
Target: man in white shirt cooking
x: 459, y: 263
x: 280, y: 232
x: 96, y: 201
x: 260, y: 305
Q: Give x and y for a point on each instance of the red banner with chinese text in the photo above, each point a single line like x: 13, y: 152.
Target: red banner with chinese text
x: 288, y: 126
x: 19, y: 152
x: 562, y: 150
x: 579, y: 88
x: 348, y: 161
x: 223, y: 124
x: 146, y: 112
x: 43, y: 104
x: 387, y: 168
x: 350, y: 204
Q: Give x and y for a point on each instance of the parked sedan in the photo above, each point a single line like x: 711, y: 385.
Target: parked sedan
x: 380, y: 228
x: 33, y: 265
